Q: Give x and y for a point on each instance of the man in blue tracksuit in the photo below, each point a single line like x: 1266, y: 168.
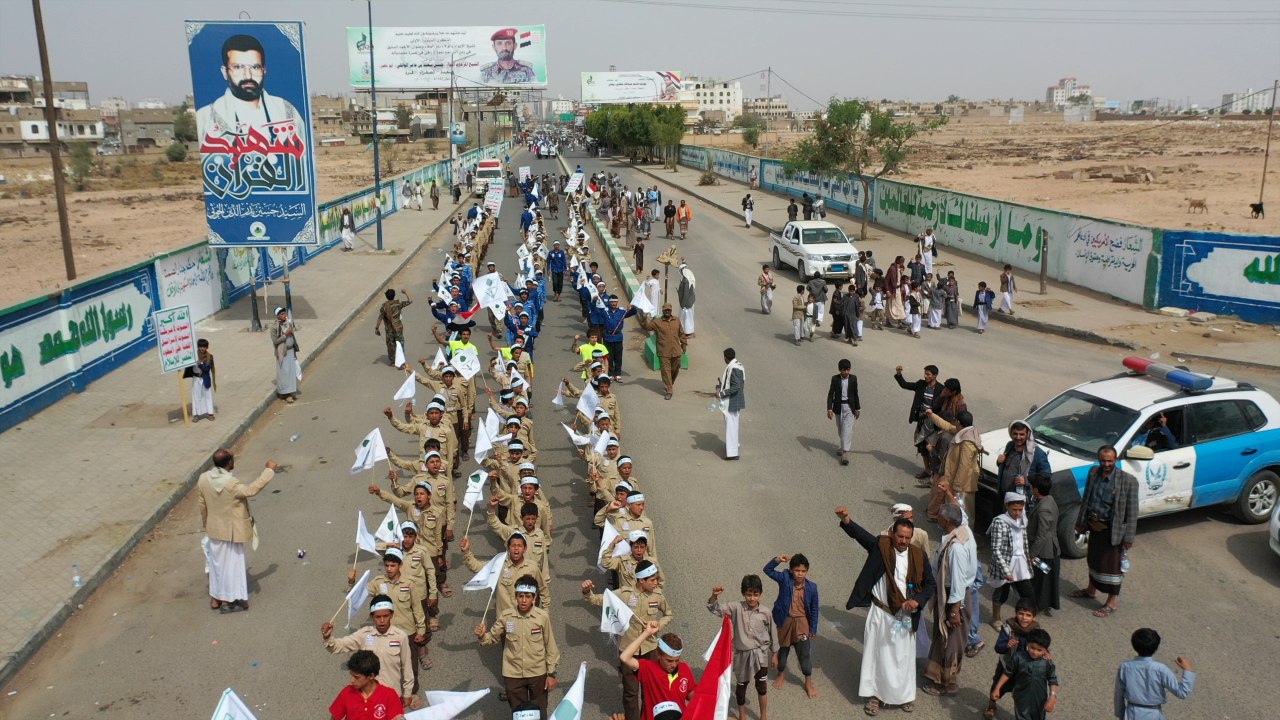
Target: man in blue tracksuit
x: 613, y: 317
x: 558, y: 263
x: 526, y: 219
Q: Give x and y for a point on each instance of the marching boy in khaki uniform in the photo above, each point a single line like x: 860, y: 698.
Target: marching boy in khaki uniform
x: 385, y: 640
x: 443, y: 506
x: 529, y: 654
x: 625, y: 565
x: 406, y: 601
x: 632, y: 518
x: 537, y: 543
x: 647, y: 605
x: 516, y: 565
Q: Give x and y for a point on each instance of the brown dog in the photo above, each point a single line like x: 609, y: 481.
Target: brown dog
x: 1199, y: 204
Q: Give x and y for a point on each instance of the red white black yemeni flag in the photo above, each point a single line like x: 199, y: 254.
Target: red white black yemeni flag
x: 711, y: 697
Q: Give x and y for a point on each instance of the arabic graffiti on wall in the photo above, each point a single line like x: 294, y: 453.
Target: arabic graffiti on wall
x: 1222, y: 273
x: 86, y: 330
x: 842, y: 194
x: 1107, y: 257
x: 190, y: 278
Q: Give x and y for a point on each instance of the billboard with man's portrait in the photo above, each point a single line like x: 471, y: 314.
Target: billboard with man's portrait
x: 420, y: 58
x: 639, y: 86
x: 253, y: 124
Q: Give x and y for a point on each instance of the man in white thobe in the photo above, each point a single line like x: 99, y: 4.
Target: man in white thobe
x: 731, y: 389
x: 895, y: 583
x: 685, y: 293
x: 224, y: 512
x: 926, y: 249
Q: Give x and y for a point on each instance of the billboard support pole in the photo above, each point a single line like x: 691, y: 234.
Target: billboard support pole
x: 373, y: 113
x: 55, y: 151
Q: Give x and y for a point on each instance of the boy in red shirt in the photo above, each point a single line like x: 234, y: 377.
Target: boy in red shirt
x: 664, y: 680
x: 364, y: 698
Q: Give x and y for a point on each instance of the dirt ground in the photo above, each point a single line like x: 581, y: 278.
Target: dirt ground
x: 135, y: 207
x: 1218, y: 161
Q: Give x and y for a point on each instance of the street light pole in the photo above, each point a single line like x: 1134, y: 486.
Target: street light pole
x: 55, y: 152
x: 373, y: 101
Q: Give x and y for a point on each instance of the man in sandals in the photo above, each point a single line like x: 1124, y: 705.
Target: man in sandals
x: 1109, y: 511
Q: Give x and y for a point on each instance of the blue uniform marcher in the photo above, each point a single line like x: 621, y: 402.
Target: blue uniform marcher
x: 613, y: 319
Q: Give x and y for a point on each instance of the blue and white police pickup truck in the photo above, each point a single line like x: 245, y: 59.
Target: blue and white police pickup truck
x: 1191, y: 441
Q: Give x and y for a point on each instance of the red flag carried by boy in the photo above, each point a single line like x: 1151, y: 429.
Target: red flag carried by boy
x: 715, y: 690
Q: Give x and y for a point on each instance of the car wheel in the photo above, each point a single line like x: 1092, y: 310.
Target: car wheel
x: 1073, y: 545
x: 777, y: 260
x: 800, y: 271
x: 1258, y: 497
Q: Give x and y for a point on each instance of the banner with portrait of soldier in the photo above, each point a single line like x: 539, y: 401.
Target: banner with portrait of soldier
x: 419, y: 58
x: 253, y: 125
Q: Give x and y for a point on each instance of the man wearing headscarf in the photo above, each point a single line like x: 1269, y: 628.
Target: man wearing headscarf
x: 224, y: 512
x: 732, y: 391
x: 1021, y: 459
x: 955, y: 571
x: 686, y: 295
x: 288, y: 373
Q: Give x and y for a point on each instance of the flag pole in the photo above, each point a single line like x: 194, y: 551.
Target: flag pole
x: 356, y: 558
x: 484, y: 614
x: 335, y: 614
x: 469, y: 518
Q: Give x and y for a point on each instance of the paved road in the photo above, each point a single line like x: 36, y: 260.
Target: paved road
x: 144, y: 646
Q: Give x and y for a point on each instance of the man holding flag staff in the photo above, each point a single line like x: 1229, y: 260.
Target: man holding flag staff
x: 385, y: 640
x: 529, y: 653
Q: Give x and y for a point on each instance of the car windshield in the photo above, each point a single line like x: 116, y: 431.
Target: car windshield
x: 487, y: 174
x: 1079, y: 424
x: 817, y: 236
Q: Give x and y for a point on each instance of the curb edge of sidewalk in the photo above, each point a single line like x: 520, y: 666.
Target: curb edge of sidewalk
x: 620, y: 267
x: 1035, y: 325
x: 35, y: 640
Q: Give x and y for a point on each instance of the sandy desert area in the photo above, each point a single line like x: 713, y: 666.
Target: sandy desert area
x: 137, y: 206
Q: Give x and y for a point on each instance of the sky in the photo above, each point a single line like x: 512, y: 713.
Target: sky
x: 1183, y: 50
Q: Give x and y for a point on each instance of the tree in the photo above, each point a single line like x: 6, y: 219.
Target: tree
x: 751, y: 136
x: 184, y: 124
x: 403, y: 117
x: 81, y: 162
x: 750, y: 120
x: 176, y: 152
x: 1080, y: 99
x: 855, y: 138
x: 389, y: 152
x: 953, y: 98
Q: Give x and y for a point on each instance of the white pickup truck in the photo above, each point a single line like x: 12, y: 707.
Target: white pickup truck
x: 814, y: 247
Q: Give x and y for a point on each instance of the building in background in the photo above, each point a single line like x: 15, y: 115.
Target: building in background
x: 24, y: 131
x: 1235, y: 103
x: 1060, y: 95
x: 560, y: 106
x: 70, y: 95
x: 142, y: 128
x: 773, y: 109
x: 718, y: 102
x: 153, y: 104
x: 330, y: 116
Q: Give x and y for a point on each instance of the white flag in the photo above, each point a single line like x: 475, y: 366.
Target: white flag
x: 466, y: 362
x: 357, y: 597
x: 364, y: 539
x: 640, y: 301
x: 231, y: 707
x: 623, y: 547
x: 408, y: 389
x: 603, y: 443
x: 516, y: 374
x: 588, y: 402
x: 371, y: 450
x: 706, y: 656
x: 400, y: 361
x: 574, y: 437
x: 492, y: 423
x: 487, y: 577
x: 389, y: 531
x: 484, y: 442
x: 475, y: 489
x: 444, y: 705
x: 558, y: 400
x: 570, y: 707
x: 615, y: 616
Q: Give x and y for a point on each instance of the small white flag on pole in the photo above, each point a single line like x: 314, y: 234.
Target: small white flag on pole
x: 231, y: 707
x: 606, y: 539
x: 574, y: 437
x: 484, y: 442
x: 487, y: 577
x: 364, y: 539
x: 440, y: 360
x: 389, y: 531
x: 475, y: 490
x: 408, y: 389
x: 640, y: 301
x: 603, y: 443
x: 466, y: 362
x: 493, y: 423
x: 371, y: 450
x: 558, y: 400
x: 588, y: 402
x: 443, y: 705
x: 400, y: 361
x: 357, y: 597
x: 570, y: 707
x: 615, y: 616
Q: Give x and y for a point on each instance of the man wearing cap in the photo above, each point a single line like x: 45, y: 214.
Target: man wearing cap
x: 671, y: 345
x: 537, y: 542
x: 624, y: 566
x: 614, y: 318
x: 429, y: 426
x: 529, y: 655
x: 516, y: 564
x: 285, y: 343
x: 648, y: 605
x: 406, y: 601
x: 629, y: 518
x: 389, y: 314
x: 557, y: 264
x: 383, y: 639
x: 224, y: 513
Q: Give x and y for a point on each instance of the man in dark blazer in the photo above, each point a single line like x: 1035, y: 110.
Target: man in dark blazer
x: 843, y: 406
x: 926, y: 393
x: 888, y: 674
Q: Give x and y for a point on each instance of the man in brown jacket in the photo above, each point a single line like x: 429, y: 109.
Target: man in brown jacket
x: 671, y: 345
x: 224, y: 512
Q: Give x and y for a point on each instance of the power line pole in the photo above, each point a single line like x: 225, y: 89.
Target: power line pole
x: 1271, y: 121
x: 55, y: 151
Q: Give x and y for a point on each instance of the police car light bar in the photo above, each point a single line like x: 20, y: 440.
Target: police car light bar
x: 1168, y: 373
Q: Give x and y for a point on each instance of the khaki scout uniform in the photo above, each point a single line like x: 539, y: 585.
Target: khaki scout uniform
x: 513, y: 504
x: 407, y: 602
x: 428, y: 521
x: 529, y: 653
x: 609, y: 404
x: 392, y: 650
x: 443, y: 497
x: 537, y: 543
x: 647, y: 607
x: 671, y: 343
x: 625, y: 524
x: 508, y: 473
x: 625, y: 566
x: 460, y: 403
x: 420, y: 426
x: 572, y: 392
x: 507, y: 576
x: 417, y: 567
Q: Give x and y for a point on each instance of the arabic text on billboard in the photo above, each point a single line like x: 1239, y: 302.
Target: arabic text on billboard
x: 256, y: 155
x: 420, y: 57
x: 631, y: 87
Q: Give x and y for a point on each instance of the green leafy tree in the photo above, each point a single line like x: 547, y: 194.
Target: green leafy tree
x: 81, y: 162
x: 403, y: 117
x: 751, y: 136
x: 855, y: 138
x: 176, y: 152
x: 750, y: 120
x: 184, y: 124
x: 1081, y: 99
x: 953, y: 98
